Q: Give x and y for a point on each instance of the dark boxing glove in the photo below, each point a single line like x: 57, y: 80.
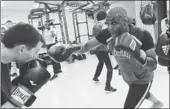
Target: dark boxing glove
x: 60, y: 53
x: 25, y: 67
x: 132, y: 45
x: 34, y: 78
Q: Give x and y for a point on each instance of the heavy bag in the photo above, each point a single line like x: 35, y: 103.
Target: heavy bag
x: 147, y: 14
x: 162, y: 47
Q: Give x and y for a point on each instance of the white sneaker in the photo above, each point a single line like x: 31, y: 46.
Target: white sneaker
x: 158, y: 104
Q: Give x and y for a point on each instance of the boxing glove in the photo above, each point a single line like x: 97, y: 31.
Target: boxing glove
x: 61, y: 52
x: 22, y: 71
x: 24, y: 68
x: 32, y: 80
x: 131, y: 45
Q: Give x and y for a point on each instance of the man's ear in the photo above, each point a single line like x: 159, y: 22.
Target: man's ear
x: 125, y: 19
x: 21, y: 49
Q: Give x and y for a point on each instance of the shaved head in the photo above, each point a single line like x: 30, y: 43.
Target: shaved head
x: 117, y: 20
x: 116, y: 13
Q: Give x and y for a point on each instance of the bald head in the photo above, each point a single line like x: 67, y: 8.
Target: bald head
x: 117, y: 20
x: 116, y: 13
x: 97, y: 28
x: 101, y: 15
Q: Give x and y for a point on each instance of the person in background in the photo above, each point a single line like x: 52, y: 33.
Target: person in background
x: 102, y: 52
x: 9, y: 24
x: 165, y: 23
x: 50, y: 39
x: 165, y: 27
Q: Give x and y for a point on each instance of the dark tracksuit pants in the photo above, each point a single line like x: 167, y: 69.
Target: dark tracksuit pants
x: 56, y: 66
x: 103, y: 57
x: 136, y: 95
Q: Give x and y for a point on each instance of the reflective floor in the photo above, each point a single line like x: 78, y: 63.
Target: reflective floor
x: 74, y: 88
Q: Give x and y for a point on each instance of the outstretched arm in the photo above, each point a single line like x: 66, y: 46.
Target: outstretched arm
x: 61, y: 52
x: 91, y: 44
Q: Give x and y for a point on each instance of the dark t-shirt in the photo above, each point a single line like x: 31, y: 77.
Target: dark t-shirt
x: 143, y: 35
x: 147, y: 43
x: 5, y: 82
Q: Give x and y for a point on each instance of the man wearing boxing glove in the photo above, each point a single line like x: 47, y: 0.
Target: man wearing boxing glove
x: 165, y: 22
x: 31, y: 80
x: 133, y: 51
x: 20, y: 44
x: 102, y: 52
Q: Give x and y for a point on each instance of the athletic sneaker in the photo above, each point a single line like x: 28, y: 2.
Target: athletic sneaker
x: 116, y: 67
x: 95, y: 79
x: 55, y: 76
x: 158, y: 104
x: 58, y: 71
x: 110, y: 88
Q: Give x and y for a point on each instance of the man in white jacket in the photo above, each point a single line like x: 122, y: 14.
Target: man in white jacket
x: 165, y: 23
x: 50, y: 39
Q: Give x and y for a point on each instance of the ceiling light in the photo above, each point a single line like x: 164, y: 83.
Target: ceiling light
x: 2, y: 3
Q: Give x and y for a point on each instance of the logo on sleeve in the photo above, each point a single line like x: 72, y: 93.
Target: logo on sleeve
x: 165, y: 49
x: 132, y: 44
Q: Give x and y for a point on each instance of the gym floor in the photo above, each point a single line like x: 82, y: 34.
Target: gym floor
x: 74, y: 88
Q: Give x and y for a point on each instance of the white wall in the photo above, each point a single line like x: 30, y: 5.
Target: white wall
x: 82, y: 27
x: 18, y: 11
x: 128, y: 5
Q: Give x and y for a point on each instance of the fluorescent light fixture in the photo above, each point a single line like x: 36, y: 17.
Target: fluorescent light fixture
x: 167, y: 3
x: 2, y: 3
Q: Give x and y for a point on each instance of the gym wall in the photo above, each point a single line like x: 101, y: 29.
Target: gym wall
x: 128, y: 5
x: 82, y: 27
x: 160, y: 10
x: 21, y: 15
x: 17, y: 11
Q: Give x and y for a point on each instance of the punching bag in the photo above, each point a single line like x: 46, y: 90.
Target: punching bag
x: 147, y: 14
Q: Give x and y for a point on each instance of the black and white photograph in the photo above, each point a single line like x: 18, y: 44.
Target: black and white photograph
x: 85, y: 54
